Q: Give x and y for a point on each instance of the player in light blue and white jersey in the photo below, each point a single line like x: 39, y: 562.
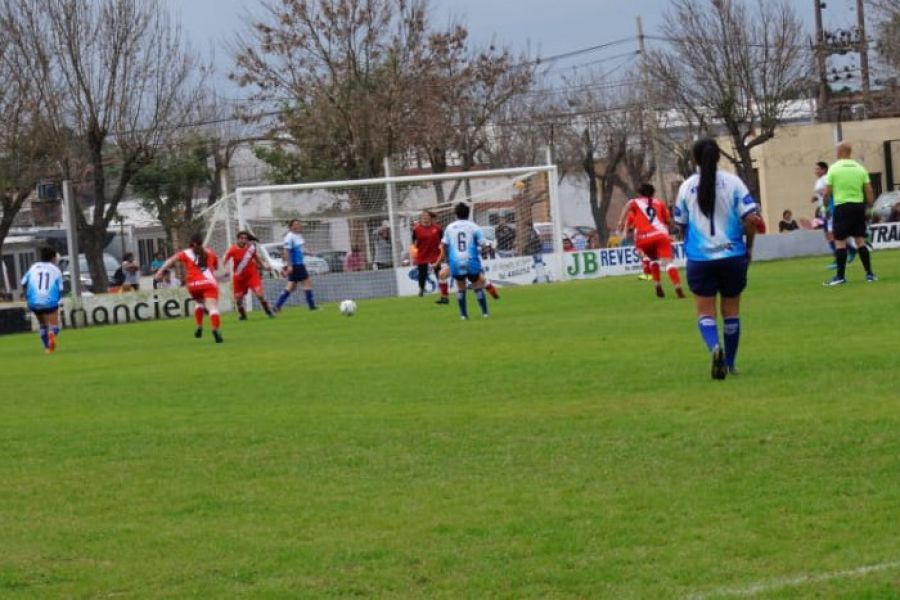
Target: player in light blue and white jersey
x: 43, y: 290
x: 462, y: 242
x: 294, y: 268
x: 719, y: 218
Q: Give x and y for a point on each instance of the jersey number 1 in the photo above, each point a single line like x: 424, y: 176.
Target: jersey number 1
x: 43, y: 281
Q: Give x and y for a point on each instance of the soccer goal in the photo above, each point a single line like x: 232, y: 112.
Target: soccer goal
x: 358, y: 233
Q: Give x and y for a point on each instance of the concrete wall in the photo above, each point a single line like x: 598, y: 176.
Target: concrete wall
x: 786, y: 162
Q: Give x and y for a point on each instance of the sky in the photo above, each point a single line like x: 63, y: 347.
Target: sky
x: 544, y: 27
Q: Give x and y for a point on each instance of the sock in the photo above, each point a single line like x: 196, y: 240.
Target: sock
x: 198, y: 316
x: 672, y: 271
x: 45, y: 339
x: 445, y: 289
x: 54, y: 329
x: 214, y: 319
x: 310, y: 302
x: 491, y: 290
x: 654, y: 271
x: 240, y: 306
x: 482, y: 301
x: 461, y: 298
x: 282, y: 298
x: 732, y: 334
x: 645, y: 264
x: 866, y: 259
x: 265, y: 305
x: 708, y: 331
x: 841, y: 257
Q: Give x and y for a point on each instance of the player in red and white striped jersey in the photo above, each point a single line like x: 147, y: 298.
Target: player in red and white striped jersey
x: 650, y: 219
x: 246, y: 263
x: 200, y: 266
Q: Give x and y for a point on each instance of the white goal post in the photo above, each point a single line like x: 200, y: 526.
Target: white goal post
x: 358, y: 233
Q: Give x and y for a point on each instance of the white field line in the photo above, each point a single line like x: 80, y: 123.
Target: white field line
x: 762, y: 587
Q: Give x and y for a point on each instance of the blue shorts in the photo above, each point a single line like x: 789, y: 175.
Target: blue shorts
x: 460, y: 274
x: 726, y: 276
x: 44, y: 310
x: 298, y: 273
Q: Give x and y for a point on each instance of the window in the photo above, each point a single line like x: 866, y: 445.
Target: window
x: 9, y: 272
x: 26, y: 259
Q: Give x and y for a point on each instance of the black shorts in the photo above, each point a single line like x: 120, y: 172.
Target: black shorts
x: 298, y: 273
x: 850, y: 220
x: 726, y: 276
x: 40, y: 312
x: 472, y: 277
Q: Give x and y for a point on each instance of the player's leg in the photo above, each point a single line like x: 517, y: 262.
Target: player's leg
x: 261, y: 296
x: 199, y: 311
x: 478, y: 284
x: 43, y: 331
x: 703, y: 283
x: 490, y: 289
x: 443, y: 285
x: 840, y: 227
x: 461, y: 294
x: 308, y: 290
x: 211, y: 302
x: 859, y: 232
x: 239, y: 287
x: 646, y: 272
x: 422, y: 277
x: 733, y: 280
x: 666, y: 256
x: 286, y: 292
x: 52, y: 324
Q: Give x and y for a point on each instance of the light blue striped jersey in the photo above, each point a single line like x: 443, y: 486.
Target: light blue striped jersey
x: 723, y: 235
x: 43, y: 286
x: 293, y: 243
x: 463, y: 240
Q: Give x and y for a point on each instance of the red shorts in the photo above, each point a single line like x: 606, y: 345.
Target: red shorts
x: 242, y: 283
x: 656, y: 248
x: 203, y: 290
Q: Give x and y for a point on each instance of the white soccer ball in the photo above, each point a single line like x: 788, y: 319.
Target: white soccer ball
x: 348, y: 308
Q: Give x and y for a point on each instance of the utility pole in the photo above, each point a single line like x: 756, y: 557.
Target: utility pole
x: 70, y: 220
x: 650, y: 112
x: 822, y: 103
x: 863, y: 54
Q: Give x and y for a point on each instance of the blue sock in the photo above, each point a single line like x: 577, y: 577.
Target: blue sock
x: 54, y: 329
x: 482, y: 301
x: 282, y: 298
x: 732, y: 334
x: 45, y: 339
x: 708, y: 331
x: 309, y: 299
x: 461, y: 298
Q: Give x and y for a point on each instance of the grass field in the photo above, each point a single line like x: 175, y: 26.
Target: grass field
x: 572, y: 446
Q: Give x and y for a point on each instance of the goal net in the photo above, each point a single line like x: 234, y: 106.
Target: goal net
x: 358, y: 233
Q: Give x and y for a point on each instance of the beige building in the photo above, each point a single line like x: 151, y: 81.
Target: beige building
x: 785, y: 163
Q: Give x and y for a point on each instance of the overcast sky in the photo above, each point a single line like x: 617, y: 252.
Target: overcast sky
x: 546, y: 27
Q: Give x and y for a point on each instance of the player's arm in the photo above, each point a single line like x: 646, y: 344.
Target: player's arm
x: 751, y: 221
x: 262, y: 264
x: 165, y: 267
x: 870, y: 194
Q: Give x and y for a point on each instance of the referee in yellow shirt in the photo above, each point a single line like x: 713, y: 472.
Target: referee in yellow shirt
x: 848, y: 183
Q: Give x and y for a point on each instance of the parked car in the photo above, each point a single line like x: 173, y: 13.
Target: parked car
x: 110, y: 264
x: 315, y: 265
x: 335, y: 259
x: 884, y: 206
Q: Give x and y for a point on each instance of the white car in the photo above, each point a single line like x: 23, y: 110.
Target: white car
x: 315, y: 265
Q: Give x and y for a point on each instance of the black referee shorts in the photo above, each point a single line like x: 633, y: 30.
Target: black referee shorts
x: 850, y: 220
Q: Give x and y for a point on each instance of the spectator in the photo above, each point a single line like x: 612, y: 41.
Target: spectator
x: 132, y: 273
x: 167, y: 281
x: 506, y: 238
x: 535, y: 248
x: 383, y: 259
x: 354, y: 260
x: 155, y: 265
x: 787, y: 222
x: 895, y: 213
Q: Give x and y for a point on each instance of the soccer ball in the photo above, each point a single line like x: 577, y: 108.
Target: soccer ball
x: 348, y: 308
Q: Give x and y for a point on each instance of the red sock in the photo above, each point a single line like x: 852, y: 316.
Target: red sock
x: 673, y: 275
x: 214, y: 319
x: 198, y: 316
x: 445, y: 289
x: 645, y: 263
x: 491, y: 290
x: 654, y: 271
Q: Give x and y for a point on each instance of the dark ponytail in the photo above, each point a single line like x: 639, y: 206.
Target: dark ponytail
x: 706, y: 155
x: 199, y: 250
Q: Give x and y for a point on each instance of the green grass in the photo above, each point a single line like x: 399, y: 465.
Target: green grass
x: 573, y: 446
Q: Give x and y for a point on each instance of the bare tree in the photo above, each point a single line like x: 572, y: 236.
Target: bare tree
x: 115, y: 76
x: 733, y: 67
x: 886, y: 15
x: 25, y: 146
